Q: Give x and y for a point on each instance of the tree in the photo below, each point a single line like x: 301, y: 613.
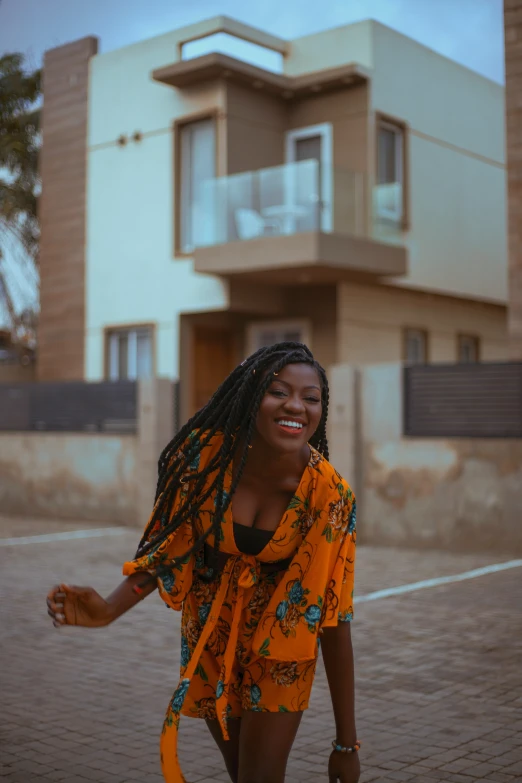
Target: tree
x: 20, y: 91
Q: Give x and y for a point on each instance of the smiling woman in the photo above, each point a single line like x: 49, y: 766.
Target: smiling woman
x: 252, y: 536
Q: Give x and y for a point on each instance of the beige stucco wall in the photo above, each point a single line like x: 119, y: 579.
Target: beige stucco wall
x: 371, y: 320
x: 255, y: 129
x: 130, y: 237
x: 92, y: 476
x: 331, y: 48
x: 446, y: 493
x: 317, y: 304
x: 69, y: 476
x: 456, y: 177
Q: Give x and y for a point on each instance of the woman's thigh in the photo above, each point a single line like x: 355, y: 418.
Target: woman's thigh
x: 265, y: 742
x: 229, y: 748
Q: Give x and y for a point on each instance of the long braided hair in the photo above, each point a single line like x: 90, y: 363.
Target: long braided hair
x: 232, y: 411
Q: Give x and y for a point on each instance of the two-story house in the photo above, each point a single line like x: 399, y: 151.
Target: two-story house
x: 197, y: 208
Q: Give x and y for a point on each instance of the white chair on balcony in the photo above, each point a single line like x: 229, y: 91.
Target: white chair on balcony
x: 250, y: 224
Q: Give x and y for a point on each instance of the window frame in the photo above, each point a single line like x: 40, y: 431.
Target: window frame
x: 325, y: 131
x: 399, y: 127
x: 110, y: 331
x: 254, y: 328
x: 178, y: 125
x: 419, y: 330
x: 461, y: 336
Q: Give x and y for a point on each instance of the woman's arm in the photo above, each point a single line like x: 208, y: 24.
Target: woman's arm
x: 72, y: 605
x: 336, y: 646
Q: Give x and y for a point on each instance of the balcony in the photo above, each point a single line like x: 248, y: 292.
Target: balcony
x: 299, y: 222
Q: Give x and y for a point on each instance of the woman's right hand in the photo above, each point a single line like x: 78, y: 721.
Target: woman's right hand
x: 72, y: 605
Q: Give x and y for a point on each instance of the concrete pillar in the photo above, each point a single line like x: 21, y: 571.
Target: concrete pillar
x: 63, y: 211
x: 513, y: 54
x: 343, y: 430
x: 155, y: 430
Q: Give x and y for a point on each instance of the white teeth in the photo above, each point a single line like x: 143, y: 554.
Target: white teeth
x: 295, y: 424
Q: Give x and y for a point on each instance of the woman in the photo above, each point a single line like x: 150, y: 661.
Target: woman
x: 252, y: 536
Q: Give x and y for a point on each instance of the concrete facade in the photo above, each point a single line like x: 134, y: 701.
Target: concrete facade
x: 454, y: 494
x: 62, y: 211
x: 441, y: 268
x: 94, y: 477
x: 69, y: 476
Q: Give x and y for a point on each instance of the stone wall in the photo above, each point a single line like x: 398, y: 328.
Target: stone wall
x: 463, y: 494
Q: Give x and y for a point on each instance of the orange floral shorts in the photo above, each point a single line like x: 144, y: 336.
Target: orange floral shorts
x: 257, y: 683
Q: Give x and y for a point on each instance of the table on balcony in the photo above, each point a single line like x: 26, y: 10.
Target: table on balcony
x: 286, y: 215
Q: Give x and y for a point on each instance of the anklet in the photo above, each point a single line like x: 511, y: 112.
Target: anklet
x: 344, y: 749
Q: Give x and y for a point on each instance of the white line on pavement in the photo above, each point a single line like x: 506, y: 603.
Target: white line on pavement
x: 66, y: 536
x: 375, y: 596
x: 440, y: 580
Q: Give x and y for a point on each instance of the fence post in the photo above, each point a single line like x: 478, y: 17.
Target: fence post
x: 155, y: 430
x: 343, y: 426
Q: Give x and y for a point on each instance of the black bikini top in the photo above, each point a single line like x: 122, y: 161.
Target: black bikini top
x: 251, y: 540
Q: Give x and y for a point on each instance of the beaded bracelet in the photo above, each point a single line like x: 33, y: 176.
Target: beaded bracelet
x: 344, y: 749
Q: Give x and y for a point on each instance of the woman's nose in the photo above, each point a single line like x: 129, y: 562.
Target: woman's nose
x: 294, y: 404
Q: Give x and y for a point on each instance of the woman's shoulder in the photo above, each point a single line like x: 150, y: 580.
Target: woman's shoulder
x: 327, y: 477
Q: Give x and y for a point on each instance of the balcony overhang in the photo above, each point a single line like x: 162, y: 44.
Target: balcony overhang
x: 303, y: 259
x: 209, y: 67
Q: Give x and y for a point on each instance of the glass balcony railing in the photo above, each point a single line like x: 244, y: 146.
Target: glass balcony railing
x: 283, y: 200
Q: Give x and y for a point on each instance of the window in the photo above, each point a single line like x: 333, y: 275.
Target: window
x: 197, y: 164
x: 265, y: 333
x: 468, y: 349
x: 130, y: 353
x: 415, y: 346
x: 390, y: 172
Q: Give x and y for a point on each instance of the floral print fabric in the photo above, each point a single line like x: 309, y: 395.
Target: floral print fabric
x: 249, y: 640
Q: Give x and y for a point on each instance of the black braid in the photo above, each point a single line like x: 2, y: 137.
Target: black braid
x: 231, y: 411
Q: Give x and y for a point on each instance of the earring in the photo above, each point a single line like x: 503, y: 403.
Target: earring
x: 276, y: 373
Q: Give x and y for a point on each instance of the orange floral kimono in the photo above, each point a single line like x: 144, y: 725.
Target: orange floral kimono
x: 250, y: 639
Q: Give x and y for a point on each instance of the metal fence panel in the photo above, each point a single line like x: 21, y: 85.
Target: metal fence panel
x: 69, y: 407
x: 463, y: 400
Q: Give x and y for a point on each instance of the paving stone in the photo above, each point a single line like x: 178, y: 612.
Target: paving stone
x: 438, y: 675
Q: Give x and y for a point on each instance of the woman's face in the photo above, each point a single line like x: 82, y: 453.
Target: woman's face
x: 291, y: 409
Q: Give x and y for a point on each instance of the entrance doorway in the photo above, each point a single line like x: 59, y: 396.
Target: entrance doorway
x: 213, y: 357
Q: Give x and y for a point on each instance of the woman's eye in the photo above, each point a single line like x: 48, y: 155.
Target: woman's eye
x: 277, y: 392
x: 312, y: 399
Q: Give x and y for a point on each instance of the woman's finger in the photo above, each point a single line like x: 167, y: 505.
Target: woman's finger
x: 52, y: 592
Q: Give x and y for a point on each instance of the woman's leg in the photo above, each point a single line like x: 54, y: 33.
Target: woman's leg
x: 229, y: 750
x: 265, y: 742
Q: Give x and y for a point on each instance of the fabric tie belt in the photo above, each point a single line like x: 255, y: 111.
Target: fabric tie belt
x: 247, y: 569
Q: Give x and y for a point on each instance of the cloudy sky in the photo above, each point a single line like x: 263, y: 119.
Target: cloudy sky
x: 469, y: 31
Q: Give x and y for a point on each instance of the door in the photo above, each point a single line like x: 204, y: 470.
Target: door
x: 213, y: 359
x: 313, y: 144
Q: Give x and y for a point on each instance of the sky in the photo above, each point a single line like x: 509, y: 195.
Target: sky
x: 468, y: 31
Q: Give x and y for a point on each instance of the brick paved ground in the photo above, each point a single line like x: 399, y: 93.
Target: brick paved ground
x: 439, y: 675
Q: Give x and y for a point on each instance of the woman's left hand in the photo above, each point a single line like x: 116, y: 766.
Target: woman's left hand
x: 344, y: 767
